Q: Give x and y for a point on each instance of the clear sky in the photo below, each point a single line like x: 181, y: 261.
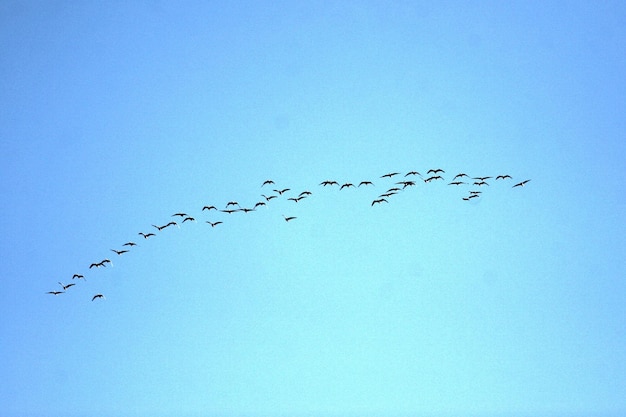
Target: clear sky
x: 116, y: 115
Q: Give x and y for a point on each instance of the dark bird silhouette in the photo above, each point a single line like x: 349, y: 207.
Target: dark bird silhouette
x: 97, y: 265
x: 55, y: 292
x: 267, y: 182
x: 188, y: 218
x: 167, y: 225
x: 209, y: 208
x: 287, y: 219
x: 268, y: 198
x: 346, y: 185
x: 388, y: 194
x: 469, y: 197
x: 146, y: 235
x: 461, y: 175
x: 304, y: 193
x: 481, y: 183
x: 246, y: 210
x: 475, y: 192
x: 503, y: 177
x: 78, y: 276
x: 213, y: 224
x: 129, y: 244
x: 394, y: 189
x: 232, y: 203
x: 366, y: 183
x: 119, y: 252
x: 436, y: 171
x: 457, y: 183
x: 260, y: 203
x: 412, y: 173
x: 179, y: 214
x: 284, y: 190
x: 328, y: 182
x: 436, y: 177
x: 297, y: 198
x: 98, y: 296
x: 521, y: 184
x: 65, y: 287
x: 378, y: 201
x: 389, y: 175
x: 406, y: 183
x: 228, y: 211
x: 106, y: 261
x: 481, y: 178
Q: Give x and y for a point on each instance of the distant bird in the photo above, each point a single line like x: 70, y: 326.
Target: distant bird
x: 520, y: 184
x: 329, y: 182
x: 228, y: 211
x: 106, y: 261
x: 436, y: 177
x: 260, y: 203
x: 188, y: 218
x: 480, y: 183
x: 284, y: 190
x: 246, y: 210
x: 366, y: 183
x: 268, y: 198
x: 232, y: 203
x: 78, y: 276
x: 98, y: 296
x: 481, y: 178
x: 378, y: 201
x: 389, y: 175
x: 469, y: 197
x: 159, y: 227
x: 475, y: 192
x: 346, y: 185
x: 388, y: 194
x: 129, y: 244
x: 267, y: 182
x: 287, y: 219
x: 209, y: 208
x: 119, y: 252
x: 213, y: 224
x: 461, y: 175
x: 303, y: 193
x: 297, y: 198
x: 503, y: 177
x: 179, y: 214
x: 457, y: 183
x: 412, y: 173
x: 436, y: 171
x: 97, y: 265
x: 55, y: 292
x: 146, y: 235
x: 65, y: 287
x: 406, y: 183
x: 394, y: 189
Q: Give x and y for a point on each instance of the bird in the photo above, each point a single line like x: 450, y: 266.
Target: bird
x: 268, y: 198
x: 520, y: 184
x: 232, y: 203
x: 98, y: 296
x: 303, y: 193
x: 406, y: 183
x: 481, y: 178
x: 119, y: 252
x: 436, y: 177
x: 503, y: 177
x: 209, y: 208
x: 267, y: 182
x: 480, y: 183
x: 378, y: 201
x: 179, y: 214
x: 106, y: 261
x: 188, y: 218
x: 461, y: 175
x: 328, y: 182
x: 246, y: 210
x: 287, y: 219
x: 469, y: 197
x: 284, y: 190
x: 55, y: 292
x: 389, y: 175
x: 260, y: 203
x: 129, y: 244
x: 213, y: 224
x: 146, y: 235
x: 97, y: 265
x: 78, y: 276
x: 346, y: 185
x: 159, y: 227
x: 65, y: 287
x: 297, y: 198
x: 457, y: 183
x: 228, y: 211
x: 366, y: 183
x: 436, y: 171
x: 412, y: 173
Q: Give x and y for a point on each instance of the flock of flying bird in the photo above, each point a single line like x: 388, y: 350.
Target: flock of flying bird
x: 432, y: 175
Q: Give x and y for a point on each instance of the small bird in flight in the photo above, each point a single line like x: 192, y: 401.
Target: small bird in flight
x: 65, y: 287
x: 366, y: 183
x: 520, y: 184
x: 129, y: 244
x: 55, y: 292
x: 503, y: 177
x: 98, y: 296
x: 378, y: 201
x: 78, y: 276
x: 213, y: 224
x: 209, y: 208
x: 266, y: 182
x: 436, y: 171
x: 346, y: 185
x: 119, y: 252
x: 284, y: 190
x: 146, y: 235
x: 389, y: 175
x: 179, y: 214
x: 289, y: 218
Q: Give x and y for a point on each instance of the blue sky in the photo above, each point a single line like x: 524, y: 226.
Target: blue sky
x: 115, y: 116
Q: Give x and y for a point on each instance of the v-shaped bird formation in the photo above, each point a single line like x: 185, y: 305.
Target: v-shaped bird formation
x: 409, y: 179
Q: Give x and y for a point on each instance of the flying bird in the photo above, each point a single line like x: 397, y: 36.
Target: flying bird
x: 366, y: 183
x: 98, y: 296
x: 481, y: 178
x: 246, y: 210
x: 520, y: 184
x: 289, y: 218
x: 284, y: 190
x: 209, y: 208
x: 457, y: 183
x: 328, y: 182
x: 232, y: 203
x: 55, y: 292
x: 303, y: 193
x: 129, y: 244
x: 78, y: 276
x: 378, y: 201
x: 461, y: 175
x: 346, y: 185
x: 65, y: 287
x: 228, y: 211
x: 268, y: 198
x: 146, y: 235
x: 297, y: 198
x: 179, y: 214
x: 189, y: 218
x: 97, y: 265
x: 260, y: 203
x: 389, y: 175
x: 119, y: 252
x: 213, y: 224
x: 481, y: 183
x: 413, y: 173
x: 436, y: 171
x: 267, y: 182
x: 503, y: 177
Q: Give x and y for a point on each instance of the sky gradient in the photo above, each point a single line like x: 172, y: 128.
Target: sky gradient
x: 113, y: 117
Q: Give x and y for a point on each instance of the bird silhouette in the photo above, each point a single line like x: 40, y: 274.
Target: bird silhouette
x: 78, y: 276
x: 260, y: 203
x: 481, y: 178
x: 146, y: 235
x: 209, y: 208
x: 389, y: 175
x: 55, y: 292
x: 378, y: 201
x: 412, y: 173
x: 268, y: 198
x: 346, y: 185
x: 188, y: 219
x: 457, y: 183
x: 287, y: 219
x: 213, y: 224
x: 179, y: 214
x: 65, y: 287
x: 129, y: 244
x: 232, y: 203
x: 328, y: 182
x: 436, y: 171
x: 365, y: 183
x: 119, y: 252
x: 461, y: 175
x: 503, y: 177
x: 284, y: 190
x: 98, y: 296
x: 266, y: 182
x: 228, y: 211
x: 521, y: 184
